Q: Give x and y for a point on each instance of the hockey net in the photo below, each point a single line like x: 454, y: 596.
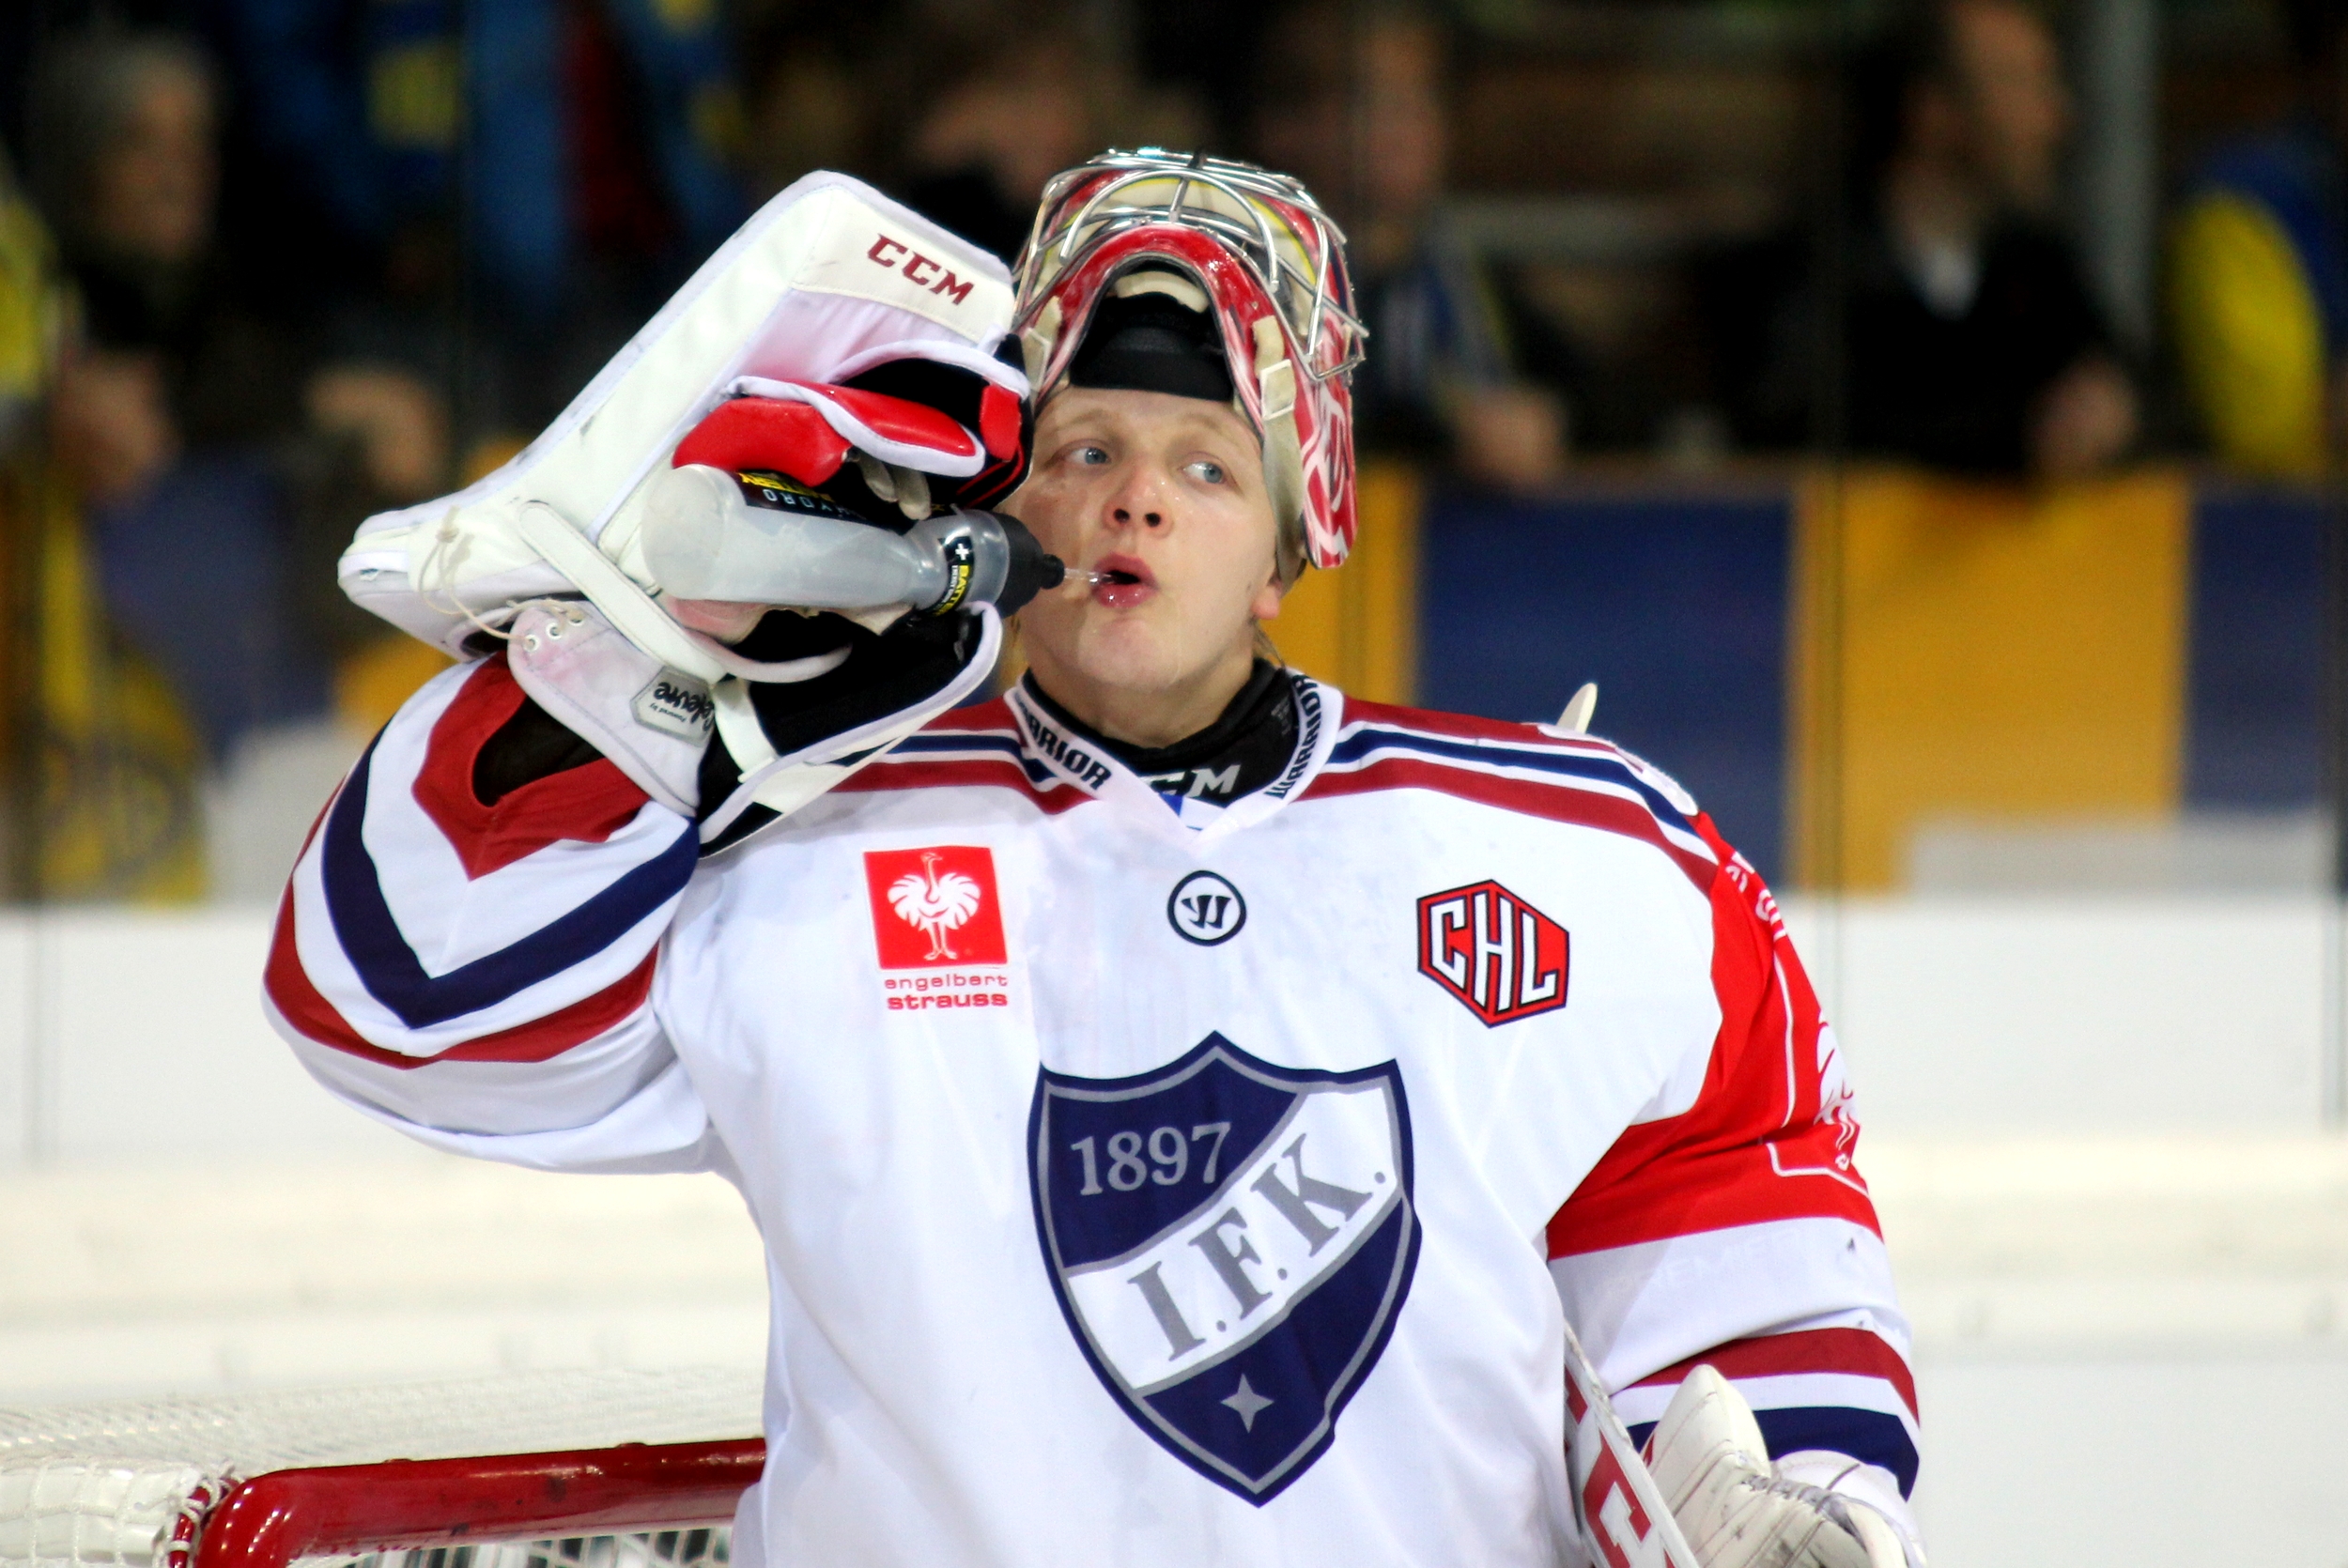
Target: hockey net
x: 571, y: 1470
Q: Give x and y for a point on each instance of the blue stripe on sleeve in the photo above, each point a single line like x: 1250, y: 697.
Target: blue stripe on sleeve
x: 1868, y: 1436
x: 394, y: 975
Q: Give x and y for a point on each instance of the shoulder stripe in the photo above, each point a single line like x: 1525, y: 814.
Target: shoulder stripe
x: 969, y: 761
x: 1598, y: 808
x: 370, y: 937
x: 990, y: 718
x: 299, y: 1001
x: 1574, y: 767
x: 952, y: 742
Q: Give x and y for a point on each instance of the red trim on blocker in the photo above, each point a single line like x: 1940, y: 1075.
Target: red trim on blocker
x: 587, y: 804
x: 999, y: 420
x: 765, y: 433
x: 898, y: 418
x: 1846, y: 1352
x: 301, y: 1005
x: 1762, y: 1142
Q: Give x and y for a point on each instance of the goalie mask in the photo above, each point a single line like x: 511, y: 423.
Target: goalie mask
x: 1206, y: 278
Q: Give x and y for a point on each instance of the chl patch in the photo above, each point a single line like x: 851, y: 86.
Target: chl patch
x: 1230, y: 1242
x: 935, y: 908
x: 676, y: 704
x: 1493, y: 951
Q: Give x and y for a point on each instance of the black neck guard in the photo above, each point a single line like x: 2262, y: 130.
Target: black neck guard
x: 1238, y: 754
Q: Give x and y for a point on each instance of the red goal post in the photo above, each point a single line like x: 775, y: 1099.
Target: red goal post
x: 348, y: 1511
x: 570, y: 1470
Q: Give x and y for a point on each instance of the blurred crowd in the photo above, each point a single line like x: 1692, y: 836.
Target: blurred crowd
x: 267, y: 266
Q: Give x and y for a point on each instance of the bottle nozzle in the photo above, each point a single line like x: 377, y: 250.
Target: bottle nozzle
x: 1094, y: 579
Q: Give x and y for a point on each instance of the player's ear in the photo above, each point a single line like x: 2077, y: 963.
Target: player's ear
x: 1266, y: 604
x: 1273, y: 589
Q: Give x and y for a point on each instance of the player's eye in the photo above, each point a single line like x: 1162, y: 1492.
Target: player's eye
x: 1090, y: 456
x: 1207, y: 471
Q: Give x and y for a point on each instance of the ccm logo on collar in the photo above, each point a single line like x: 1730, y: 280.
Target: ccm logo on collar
x: 937, y: 277
x: 1503, y: 957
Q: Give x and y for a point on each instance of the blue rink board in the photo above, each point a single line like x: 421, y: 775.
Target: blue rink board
x: 1676, y: 604
x: 2254, y: 725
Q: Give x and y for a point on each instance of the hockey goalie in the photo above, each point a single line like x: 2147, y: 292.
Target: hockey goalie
x: 1194, y: 1115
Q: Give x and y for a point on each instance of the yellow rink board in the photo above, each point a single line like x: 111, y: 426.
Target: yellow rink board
x: 1981, y: 651
x: 1358, y: 626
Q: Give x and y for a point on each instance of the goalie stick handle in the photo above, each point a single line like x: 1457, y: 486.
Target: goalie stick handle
x: 1623, y: 1519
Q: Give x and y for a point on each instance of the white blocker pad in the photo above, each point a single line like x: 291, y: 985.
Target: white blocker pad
x: 827, y: 280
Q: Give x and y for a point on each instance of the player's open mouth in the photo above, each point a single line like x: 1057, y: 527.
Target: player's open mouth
x: 1123, y: 581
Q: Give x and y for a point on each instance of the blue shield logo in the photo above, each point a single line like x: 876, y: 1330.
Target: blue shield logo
x: 1230, y: 1242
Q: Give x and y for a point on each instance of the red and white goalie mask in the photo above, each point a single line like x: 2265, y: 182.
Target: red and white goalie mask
x: 1206, y: 278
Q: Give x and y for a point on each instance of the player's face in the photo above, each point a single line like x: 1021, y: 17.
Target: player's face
x: 1167, y: 494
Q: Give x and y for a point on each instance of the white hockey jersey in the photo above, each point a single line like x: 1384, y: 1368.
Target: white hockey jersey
x: 1136, y: 1192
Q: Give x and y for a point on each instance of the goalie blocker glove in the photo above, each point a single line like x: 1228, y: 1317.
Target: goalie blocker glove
x: 842, y: 353
x: 766, y: 508
x: 1739, y: 1510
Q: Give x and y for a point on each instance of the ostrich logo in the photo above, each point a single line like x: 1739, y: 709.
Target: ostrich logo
x: 934, y: 906
x: 935, y: 903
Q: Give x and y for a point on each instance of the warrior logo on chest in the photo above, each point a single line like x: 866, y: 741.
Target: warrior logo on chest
x: 1230, y: 1242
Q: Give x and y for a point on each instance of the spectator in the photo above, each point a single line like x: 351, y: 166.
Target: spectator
x: 806, y: 111
x: 1358, y: 108
x: 983, y: 148
x: 1007, y: 116
x: 1969, y: 340
x: 2259, y: 271
x: 32, y: 311
x: 123, y: 165
x: 174, y: 606
x: 161, y: 419
x: 593, y: 135
x: 97, y: 760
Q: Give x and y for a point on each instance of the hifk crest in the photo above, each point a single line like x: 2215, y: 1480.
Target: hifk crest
x: 1230, y: 1242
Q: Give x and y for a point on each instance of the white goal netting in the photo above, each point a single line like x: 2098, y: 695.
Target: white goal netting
x: 127, y: 1483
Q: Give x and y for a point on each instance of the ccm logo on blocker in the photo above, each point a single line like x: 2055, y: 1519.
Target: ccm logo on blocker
x: 898, y: 256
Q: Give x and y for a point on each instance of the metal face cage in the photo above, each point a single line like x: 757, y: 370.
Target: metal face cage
x: 1268, y: 222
